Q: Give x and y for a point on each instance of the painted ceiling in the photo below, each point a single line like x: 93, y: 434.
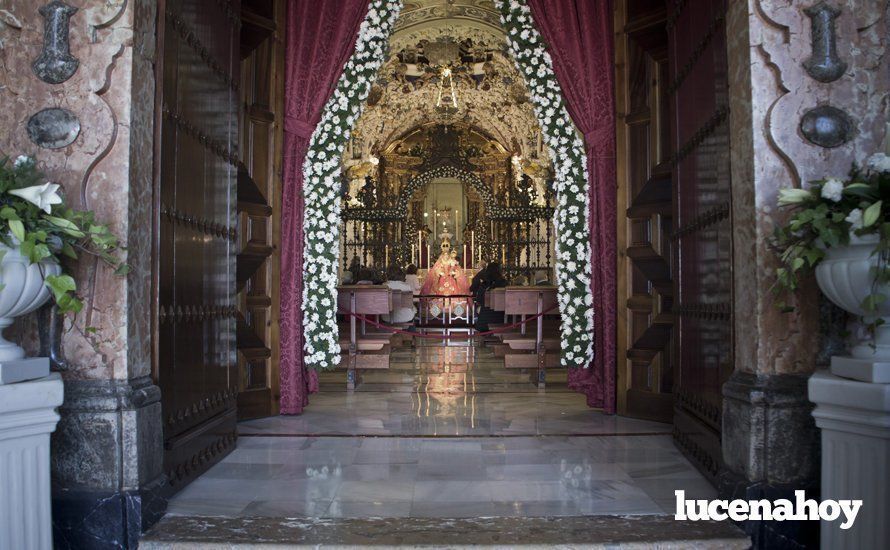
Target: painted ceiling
x: 465, y: 36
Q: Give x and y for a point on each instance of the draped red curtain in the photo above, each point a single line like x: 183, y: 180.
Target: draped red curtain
x: 579, y: 38
x: 320, y: 38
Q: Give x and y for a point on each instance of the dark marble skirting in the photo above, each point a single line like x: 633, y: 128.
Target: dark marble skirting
x: 770, y: 448
x: 112, y: 520
x: 106, y: 459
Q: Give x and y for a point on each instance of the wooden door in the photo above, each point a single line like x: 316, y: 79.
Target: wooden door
x: 702, y: 234
x: 197, y: 238
x: 259, y: 191
x: 645, y: 217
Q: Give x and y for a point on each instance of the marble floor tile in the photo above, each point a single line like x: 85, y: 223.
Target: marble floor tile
x: 244, y: 470
x: 445, y: 433
x: 286, y: 508
x: 663, y: 489
x: 453, y: 491
x: 375, y: 491
x: 213, y: 507
x: 375, y: 509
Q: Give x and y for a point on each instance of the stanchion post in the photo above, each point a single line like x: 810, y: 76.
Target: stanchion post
x: 353, y: 346
x: 539, y: 344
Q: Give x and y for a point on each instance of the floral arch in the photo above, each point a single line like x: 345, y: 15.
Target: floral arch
x: 321, y: 176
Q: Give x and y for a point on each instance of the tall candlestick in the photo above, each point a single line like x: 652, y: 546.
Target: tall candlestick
x: 465, y: 255
x: 427, y: 255
x: 473, y: 248
x: 386, y: 256
x: 503, y: 255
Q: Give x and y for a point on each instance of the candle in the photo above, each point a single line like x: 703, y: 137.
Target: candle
x: 473, y: 247
x: 427, y: 255
x: 503, y: 255
x: 465, y: 255
x: 386, y: 256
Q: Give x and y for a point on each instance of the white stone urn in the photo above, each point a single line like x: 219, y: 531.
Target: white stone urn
x: 22, y: 292
x: 845, y: 277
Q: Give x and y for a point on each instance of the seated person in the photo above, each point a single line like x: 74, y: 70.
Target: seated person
x: 487, y: 279
x: 397, y: 282
x: 412, y: 279
x: 364, y: 276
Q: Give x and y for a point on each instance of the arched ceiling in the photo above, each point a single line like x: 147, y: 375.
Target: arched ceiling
x: 465, y: 35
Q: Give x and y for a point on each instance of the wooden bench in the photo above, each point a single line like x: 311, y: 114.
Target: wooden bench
x: 494, y: 299
x: 527, y: 349
x: 360, y: 349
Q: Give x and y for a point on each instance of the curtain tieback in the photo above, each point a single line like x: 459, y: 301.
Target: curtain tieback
x: 301, y: 128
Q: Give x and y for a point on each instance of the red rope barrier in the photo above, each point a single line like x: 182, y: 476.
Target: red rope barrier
x: 446, y: 336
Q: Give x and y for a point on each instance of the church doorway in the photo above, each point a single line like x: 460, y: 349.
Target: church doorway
x: 433, y: 419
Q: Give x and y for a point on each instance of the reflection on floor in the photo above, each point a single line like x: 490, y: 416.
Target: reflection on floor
x: 447, y: 432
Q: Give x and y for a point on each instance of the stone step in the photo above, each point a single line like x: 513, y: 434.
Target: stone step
x: 192, y: 533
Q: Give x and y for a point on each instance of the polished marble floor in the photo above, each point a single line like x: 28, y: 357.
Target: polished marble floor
x: 446, y: 433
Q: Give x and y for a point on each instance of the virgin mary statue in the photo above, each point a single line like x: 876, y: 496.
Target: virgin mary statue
x: 446, y: 278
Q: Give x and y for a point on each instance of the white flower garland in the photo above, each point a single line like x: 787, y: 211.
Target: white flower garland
x: 321, y: 177
x: 570, y: 164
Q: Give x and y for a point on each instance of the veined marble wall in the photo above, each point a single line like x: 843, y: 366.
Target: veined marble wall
x: 770, y: 43
x: 770, y: 442
x: 107, y: 451
x: 107, y: 168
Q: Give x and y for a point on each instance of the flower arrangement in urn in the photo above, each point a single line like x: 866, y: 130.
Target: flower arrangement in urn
x: 39, y: 238
x: 839, y: 228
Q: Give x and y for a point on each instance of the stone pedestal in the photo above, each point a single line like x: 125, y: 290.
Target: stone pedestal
x: 30, y: 368
x: 27, y: 416
x: 107, y: 463
x: 864, y: 370
x: 855, y: 421
x: 770, y: 449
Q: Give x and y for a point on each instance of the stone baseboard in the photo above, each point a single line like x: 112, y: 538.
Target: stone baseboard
x: 770, y: 449
x: 768, y: 428
x: 772, y: 535
x: 106, y: 519
x: 107, y: 463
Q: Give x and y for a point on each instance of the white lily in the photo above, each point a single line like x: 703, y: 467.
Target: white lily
x: 44, y: 196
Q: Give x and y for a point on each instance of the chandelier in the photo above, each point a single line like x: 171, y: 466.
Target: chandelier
x: 446, y: 99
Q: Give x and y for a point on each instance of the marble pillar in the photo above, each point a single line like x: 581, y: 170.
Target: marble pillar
x: 94, y: 60
x: 782, y: 67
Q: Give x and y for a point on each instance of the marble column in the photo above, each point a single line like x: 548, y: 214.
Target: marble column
x: 776, y: 53
x: 91, y: 63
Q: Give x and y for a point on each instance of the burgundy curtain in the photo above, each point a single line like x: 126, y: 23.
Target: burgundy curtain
x: 579, y: 38
x: 320, y: 38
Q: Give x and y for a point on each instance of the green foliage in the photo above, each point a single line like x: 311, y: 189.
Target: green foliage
x: 49, y: 231
x: 824, y: 216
